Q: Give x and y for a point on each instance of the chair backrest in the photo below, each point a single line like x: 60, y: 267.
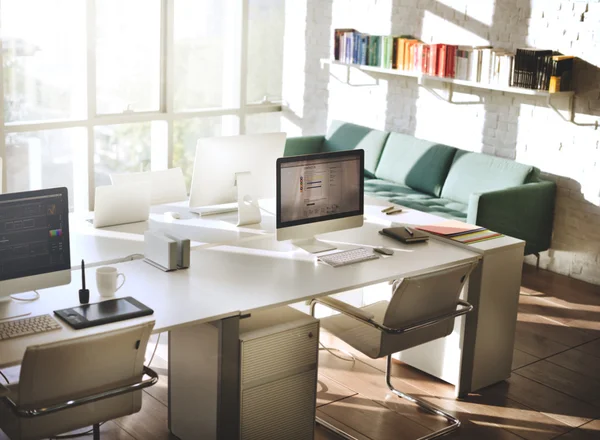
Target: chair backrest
x: 426, y: 296
x: 166, y: 186
x: 55, y: 372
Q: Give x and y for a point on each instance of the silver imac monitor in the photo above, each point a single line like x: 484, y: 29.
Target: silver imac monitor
x: 319, y: 193
x: 219, y: 159
x: 34, y: 243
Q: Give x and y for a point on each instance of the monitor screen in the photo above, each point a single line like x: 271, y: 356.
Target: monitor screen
x: 34, y: 233
x: 319, y: 187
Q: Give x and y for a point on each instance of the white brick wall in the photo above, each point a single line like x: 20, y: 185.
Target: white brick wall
x: 518, y: 127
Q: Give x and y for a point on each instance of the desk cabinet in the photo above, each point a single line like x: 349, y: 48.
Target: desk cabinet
x: 265, y: 386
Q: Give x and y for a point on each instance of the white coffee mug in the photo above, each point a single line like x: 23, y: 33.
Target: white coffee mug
x: 106, y: 280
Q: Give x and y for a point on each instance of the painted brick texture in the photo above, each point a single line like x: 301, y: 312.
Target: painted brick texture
x: 518, y: 127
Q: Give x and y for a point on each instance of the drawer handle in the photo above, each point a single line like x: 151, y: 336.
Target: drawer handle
x: 310, y: 335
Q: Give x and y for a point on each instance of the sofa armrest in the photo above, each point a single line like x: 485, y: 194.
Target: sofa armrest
x: 525, y: 212
x: 303, y: 145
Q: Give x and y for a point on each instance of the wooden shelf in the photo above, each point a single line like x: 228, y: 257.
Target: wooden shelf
x: 421, y: 78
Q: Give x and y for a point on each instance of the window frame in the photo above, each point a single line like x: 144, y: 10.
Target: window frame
x: 161, y: 158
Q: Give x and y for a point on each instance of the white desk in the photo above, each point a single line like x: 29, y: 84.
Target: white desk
x: 235, y: 271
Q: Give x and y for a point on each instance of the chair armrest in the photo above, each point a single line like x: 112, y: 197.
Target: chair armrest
x: 303, y: 145
x: 525, y: 212
x: 345, y: 308
x: 33, y: 412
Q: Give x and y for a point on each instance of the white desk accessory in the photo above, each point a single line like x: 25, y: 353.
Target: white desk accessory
x: 166, y: 186
x: 183, y: 250
x: 248, y: 209
x: 160, y: 251
x: 120, y: 204
x: 106, y: 281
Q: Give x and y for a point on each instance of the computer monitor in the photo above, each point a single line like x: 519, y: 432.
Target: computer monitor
x: 219, y: 159
x: 319, y: 193
x: 34, y: 242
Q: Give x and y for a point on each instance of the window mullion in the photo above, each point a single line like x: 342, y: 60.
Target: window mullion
x: 243, y: 64
x: 91, y: 99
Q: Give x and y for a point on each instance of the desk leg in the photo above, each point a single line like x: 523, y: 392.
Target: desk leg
x: 204, y: 381
x: 479, y: 351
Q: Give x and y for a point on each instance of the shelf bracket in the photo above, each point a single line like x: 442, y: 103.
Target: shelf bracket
x: 450, y: 98
x: 571, y: 112
x: 346, y: 78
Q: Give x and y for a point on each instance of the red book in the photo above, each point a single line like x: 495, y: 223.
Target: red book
x: 425, y: 58
x: 441, y: 64
x: 451, y: 61
x: 433, y: 56
x: 418, y: 57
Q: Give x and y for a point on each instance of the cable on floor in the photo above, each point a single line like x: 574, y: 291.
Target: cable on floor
x: 155, y: 348
x: 79, y: 434
x: 5, y: 378
x: 331, y: 352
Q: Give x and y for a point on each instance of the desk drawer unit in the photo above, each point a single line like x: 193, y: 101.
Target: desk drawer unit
x: 278, y: 377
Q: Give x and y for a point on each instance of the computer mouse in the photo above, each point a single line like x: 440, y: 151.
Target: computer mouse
x: 384, y: 251
x: 172, y: 215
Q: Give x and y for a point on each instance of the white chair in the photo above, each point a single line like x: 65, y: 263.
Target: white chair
x: 81, y: 382
x: 422, y: 308
x: 166, y: 186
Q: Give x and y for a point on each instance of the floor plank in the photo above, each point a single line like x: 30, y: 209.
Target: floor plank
x: 562, y: 379
x: 552, y: 329
x: 589, y: 431
x: 592, y: 348
x: 329, y: 390
x: 536, y: 343
x: 322, y: 433
x: 520, y: 359
x: 560, y: 406
x: 151, y: 423
x: 373, y: 420
x: 578, y: 361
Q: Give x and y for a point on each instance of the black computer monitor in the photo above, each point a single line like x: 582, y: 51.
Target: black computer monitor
x: 318, y: 193
x: 34, y: 241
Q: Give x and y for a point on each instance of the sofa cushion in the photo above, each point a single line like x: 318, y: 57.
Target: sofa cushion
x: 347, y: 136
x: 478, y: 173
x: 405, y: 196
x: 419, y: 164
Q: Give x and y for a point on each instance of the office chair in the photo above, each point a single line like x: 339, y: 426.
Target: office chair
x: 422, y: 308
x: 77, y: 383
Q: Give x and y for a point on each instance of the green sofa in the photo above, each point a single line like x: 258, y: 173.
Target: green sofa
x: 496, y: 193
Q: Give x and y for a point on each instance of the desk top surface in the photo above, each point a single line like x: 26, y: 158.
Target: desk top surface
x: 249, y: 271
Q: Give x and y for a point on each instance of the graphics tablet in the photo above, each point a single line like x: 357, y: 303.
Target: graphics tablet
x: 105, y: 312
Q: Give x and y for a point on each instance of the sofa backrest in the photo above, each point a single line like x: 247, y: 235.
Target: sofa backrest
x: 416, y: 163
x: 477, y: 172
x: 347, y: 136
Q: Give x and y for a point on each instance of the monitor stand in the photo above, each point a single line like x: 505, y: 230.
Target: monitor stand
x: 10, y: 309
x: 313, y: 246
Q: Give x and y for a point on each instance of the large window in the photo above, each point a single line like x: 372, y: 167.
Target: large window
x: 94, y: 87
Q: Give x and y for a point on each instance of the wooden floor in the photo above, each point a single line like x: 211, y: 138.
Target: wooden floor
x: 554, y: 391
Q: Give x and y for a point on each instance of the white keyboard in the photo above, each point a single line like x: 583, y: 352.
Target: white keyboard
x: 349, y: 257
x: 215, y: 209
x: 27, y: 326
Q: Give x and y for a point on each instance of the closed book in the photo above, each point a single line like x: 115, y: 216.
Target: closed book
x: 405, y: 234
x: 441, y: 65
x: 450, y: 228
x: 450, y: 60
x: 364, y: 43
x: 463, y: 58
x: 486, y: 65
x: 400, y: 53
x: 338, y: 35
x: 425, y: 59
x: 433, y: 59
x: 408, y: 53
x: 476, y: 236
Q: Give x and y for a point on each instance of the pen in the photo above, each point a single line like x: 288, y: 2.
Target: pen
x: 408, y: 230
x: 388, y: 209
x: 84, y: 294
x: 82, y: 274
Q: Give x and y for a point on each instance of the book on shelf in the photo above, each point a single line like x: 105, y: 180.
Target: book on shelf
x: 562, y: 73
x: 536, y: 69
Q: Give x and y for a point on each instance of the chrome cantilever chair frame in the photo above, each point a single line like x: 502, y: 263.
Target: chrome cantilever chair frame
x: 34, y: 412
x: 360, y: 315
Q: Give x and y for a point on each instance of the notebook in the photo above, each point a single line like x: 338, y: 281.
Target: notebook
x: 451, y: 228
x: 405, y: 234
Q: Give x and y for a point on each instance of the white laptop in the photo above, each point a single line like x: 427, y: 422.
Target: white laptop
x: 120, y: 204
x: 166, y: 186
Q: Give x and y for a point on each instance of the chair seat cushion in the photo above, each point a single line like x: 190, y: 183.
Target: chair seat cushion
x: 374, y: 343
x: 405, y: 196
